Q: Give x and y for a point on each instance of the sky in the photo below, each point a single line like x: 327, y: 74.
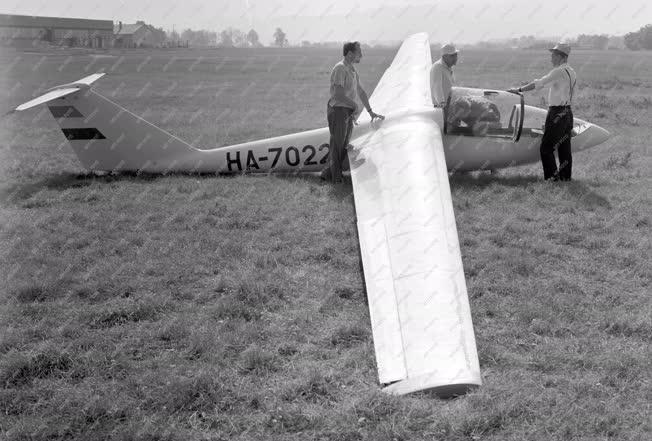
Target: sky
x: 459, y: 21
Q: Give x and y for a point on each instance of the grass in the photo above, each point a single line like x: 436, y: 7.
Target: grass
x: 201, y: 307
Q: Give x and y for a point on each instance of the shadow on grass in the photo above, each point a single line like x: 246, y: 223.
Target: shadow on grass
x: 339, y: 192
x: 19, y: 191
x: 468, y: 180
x: 580, y: 191
x: 16, y: 192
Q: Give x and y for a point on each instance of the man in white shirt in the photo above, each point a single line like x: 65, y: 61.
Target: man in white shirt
x: 442, y: 78
x: 342, y: 109
x: 559, y: 122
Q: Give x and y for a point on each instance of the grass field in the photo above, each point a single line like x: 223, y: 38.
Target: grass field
x: 214, y: 308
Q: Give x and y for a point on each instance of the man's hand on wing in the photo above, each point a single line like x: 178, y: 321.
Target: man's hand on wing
x: 375, y: 115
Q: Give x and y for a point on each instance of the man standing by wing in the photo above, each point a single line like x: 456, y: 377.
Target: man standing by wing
x: 559, y: 122
x: 342, y: 109
x: 441, y: 76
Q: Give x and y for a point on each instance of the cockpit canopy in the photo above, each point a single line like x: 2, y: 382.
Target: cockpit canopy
x: 484, y: 113
x: 495, y: 114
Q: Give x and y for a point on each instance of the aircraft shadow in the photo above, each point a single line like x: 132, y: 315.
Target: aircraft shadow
x: 22, y: 189
x: 468, y: 180
x: 579, y: 190
x: 19, y: 191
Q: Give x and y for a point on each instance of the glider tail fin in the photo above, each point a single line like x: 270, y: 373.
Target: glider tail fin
x: 106, y: 136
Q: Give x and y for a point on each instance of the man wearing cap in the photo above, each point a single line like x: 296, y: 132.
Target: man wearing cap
x: 559, y: 121
x: 441, y: 75
x: 342, y: 109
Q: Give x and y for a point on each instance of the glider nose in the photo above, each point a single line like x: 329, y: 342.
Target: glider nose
x: 588, y: 135
x: 600, y: 135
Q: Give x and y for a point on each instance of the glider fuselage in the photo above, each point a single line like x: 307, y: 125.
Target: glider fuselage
x: 464, y: 150
x: 107, y: 137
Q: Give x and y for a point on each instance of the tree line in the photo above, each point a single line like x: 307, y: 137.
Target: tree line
x: 233, y: 37
x: 230, y: 37
x: 641, y: 39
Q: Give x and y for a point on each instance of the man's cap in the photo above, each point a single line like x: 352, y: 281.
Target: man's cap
x: 561, y: 47
x: 448, y: 49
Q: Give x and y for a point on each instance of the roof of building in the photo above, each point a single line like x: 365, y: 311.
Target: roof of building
x: 29, y: 21
x: 127, y: 29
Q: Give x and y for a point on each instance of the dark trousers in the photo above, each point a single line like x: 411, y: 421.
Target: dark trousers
x: 557, y: 135
x: 340, y: 125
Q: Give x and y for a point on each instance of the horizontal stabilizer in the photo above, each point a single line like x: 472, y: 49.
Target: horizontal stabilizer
x: 52, y: 95
x: 60, y: 91
x: 87, y: 81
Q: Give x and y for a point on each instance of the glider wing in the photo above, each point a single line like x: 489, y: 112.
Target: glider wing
x: 418, y: 303
x: 405, y: 84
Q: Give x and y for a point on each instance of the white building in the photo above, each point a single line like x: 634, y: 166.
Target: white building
x: 30, y: 31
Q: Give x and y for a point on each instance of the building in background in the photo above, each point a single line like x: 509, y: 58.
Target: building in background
x: 26, y: 31
x: 138, y: 34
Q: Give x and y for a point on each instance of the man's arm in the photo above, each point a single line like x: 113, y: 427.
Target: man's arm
x: 436, y: 86
x: 365, y: 100
x: 538, y: 83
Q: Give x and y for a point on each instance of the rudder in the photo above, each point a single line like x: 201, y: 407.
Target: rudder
x: 107, y: 137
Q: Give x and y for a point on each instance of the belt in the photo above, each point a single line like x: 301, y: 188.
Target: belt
x: 340, y: 107
x: 567, y: 106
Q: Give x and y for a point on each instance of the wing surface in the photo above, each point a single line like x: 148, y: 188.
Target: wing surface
x: 418, y: 303
x: 406, y: 82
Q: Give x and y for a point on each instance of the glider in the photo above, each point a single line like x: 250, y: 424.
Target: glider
x: 418, y: 303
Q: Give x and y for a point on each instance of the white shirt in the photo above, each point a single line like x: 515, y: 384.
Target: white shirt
x: 562, y: 81
x: 441, y: 82
x: 345, y: 75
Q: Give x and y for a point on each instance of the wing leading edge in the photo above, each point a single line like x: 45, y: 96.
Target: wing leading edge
x: 418, y: 303
x: 406, y: 82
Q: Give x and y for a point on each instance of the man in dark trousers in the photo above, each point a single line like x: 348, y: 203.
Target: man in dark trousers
x: 342, y: 109
x: 559, y: 122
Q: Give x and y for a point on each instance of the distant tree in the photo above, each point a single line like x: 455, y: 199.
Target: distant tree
x: 642, y: 39
x: 633, y: 41
x: 201, y: 38
x: 253, y: 39
x: 280, y: 39
x: 646, y: 37
x: 239, y: 38
x: 305, y: 43
x: 226, y: 38
x: 232, y: 37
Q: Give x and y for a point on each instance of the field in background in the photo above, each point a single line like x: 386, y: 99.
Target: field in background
x: 202, y: 307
